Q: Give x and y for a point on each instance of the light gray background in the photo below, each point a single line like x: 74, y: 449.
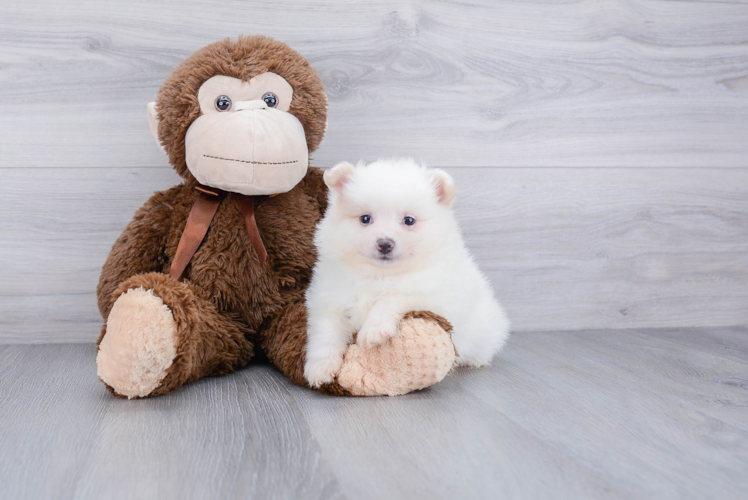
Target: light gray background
x: 600, y: 147
x: 601, y: 151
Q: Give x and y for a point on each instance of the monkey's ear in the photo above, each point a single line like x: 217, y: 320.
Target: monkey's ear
x: 445, y: 186
x: 153, y: 123
x: 337, y: 176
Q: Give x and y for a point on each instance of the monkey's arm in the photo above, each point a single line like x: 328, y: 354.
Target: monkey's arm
x: 140, y: 248
x: 315, y: 187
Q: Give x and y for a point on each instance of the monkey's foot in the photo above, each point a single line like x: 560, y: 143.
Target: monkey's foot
x: 421, y: 355
x: 139, y: 344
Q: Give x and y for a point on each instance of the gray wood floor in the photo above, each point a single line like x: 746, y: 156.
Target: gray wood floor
x: 591, y: 414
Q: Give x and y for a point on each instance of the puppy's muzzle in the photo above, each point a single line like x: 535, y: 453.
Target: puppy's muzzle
x: 385, y: 246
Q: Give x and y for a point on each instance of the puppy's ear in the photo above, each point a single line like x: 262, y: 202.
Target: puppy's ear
x: 445, y: 186
x: 337, y: 176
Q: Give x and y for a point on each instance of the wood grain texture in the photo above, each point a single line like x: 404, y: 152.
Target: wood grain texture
x: 591, y: 414
x: 545, y: 83
x: 595, y: 414
x: 565, y: 248
x: 64, y: 436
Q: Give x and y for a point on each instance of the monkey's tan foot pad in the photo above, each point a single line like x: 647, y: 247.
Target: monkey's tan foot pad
x: 421, y: 355
x: 139, y: 345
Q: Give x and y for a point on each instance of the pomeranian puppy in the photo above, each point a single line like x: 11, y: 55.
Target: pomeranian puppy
x: 389, y: 244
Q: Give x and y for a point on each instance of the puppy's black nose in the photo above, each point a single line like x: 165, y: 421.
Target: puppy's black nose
x: 385, y: 246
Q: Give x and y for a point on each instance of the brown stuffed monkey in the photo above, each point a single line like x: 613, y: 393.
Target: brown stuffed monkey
x: 215, y: 268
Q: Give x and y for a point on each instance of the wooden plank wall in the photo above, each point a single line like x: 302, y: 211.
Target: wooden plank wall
x: 600, y: 147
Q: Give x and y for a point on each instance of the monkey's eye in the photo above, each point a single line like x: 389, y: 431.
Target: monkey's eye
x: 365, y: 219
x: 223, y: 103
x: 270, y: 99
x: 409, y: 221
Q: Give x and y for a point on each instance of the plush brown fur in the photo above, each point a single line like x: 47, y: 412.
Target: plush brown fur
x: 227, y: 303
x: 226, y: 297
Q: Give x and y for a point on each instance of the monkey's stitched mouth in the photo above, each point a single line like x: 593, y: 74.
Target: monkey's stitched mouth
x: 253, y: 162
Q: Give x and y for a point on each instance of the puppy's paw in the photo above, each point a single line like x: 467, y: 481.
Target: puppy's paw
x: 322, y: 370
x: 374, y: 335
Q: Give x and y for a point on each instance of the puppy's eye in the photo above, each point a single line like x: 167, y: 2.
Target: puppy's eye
x: 270, y: 99
x: 223, y: 103
x: 409, y: 221
x: 365, y: 219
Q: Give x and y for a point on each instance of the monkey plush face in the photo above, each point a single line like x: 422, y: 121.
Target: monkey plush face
x: 246, y: 141
x: 241, y: 116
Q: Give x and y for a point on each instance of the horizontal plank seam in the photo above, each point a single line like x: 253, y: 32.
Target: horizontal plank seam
x: 4, y: 338
x: 497, y: 167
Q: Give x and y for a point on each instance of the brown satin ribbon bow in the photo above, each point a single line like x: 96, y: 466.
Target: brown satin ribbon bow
x: 199, y: 220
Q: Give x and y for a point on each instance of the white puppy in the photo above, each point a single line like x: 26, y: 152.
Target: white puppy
x: 389, y: 244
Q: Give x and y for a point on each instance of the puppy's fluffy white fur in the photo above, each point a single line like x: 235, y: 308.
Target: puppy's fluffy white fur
x: 356, y: 287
